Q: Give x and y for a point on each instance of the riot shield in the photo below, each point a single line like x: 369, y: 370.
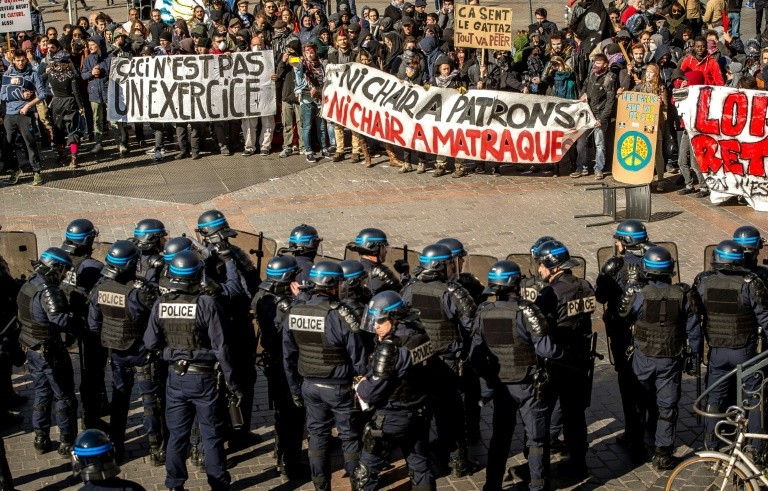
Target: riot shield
x: 19, y: 249
x: 478, y: 265
x: 708, y: 252
x: 411, y: 256
x: 525, y: 261
x: 100, y: 250
x: 263, y: 248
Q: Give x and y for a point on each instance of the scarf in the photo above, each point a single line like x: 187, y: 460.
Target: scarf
x: 444, y: 82
x: 615, y: 58
x: 599, y: 71
x: 711, y: 47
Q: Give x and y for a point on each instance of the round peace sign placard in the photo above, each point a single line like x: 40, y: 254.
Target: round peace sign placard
x: 634, y: 151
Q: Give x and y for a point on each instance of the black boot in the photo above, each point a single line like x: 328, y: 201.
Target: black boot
x: 663, y: 459
x: 461, y: 465
x: 42, y: 441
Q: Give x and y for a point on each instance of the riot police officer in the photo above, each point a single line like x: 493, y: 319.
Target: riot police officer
x: 44, y: 317
x: 355, y: 295
x: 470, y: 282
x: 735, y: 305
x: 510, y: 335
x: 531, y: 285
x: 118, y: 314
x: 77, y: 285
x: 270, y: 304
x: 397, y: 387
x: 631, y: 242
x: 321, y: 356
x: 93, y: 458
x: 371, y: 244
x: 214, y: 230
x: 470, y: 382
x: 188, y: 327
x: 749, y: 238
x: 664, y: 315
x: 150, y: 236
x: 446, y: 311
x: 303, y: 244
x: 568, y: 303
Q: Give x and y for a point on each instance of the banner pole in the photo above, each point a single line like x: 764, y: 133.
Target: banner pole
x: 8, y: 38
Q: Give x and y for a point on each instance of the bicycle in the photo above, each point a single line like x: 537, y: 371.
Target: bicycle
x: 734, y: 467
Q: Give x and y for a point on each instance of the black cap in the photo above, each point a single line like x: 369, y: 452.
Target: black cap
x: 166, y: 35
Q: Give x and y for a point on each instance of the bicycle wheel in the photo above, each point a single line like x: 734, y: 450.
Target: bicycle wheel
x: 707, y: 473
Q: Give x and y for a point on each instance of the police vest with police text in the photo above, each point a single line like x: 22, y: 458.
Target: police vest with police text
x: 33, y: 332
x: 498, y: 322
x: 118, y: 330
x: 427, y: 298
x: 729, y: 323
x: 317, y: 357
x: 415, y: 386
x: 660, y: 329
x: 177, y: 314
x: 576, y: 303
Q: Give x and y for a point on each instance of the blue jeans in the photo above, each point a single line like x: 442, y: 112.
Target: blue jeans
x: 734, y: 23
x: 309, y: 112
x: 582, y: 153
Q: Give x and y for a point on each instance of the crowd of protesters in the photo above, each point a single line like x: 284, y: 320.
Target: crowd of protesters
x: 54, y: 88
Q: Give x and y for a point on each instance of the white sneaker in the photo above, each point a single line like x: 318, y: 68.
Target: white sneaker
x: 97, y: 148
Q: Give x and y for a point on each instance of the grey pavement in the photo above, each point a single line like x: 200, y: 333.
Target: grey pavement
x: 493, y: 216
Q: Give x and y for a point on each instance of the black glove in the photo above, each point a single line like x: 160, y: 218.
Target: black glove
x: 634, y: 274
x: 612, y: 266
x: 223, y: 251
x: 298, y: 401
x: 401, y: 266
x: 236, y: 396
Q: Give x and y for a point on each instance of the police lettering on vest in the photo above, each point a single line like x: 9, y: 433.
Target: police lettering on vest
x: 177, y: 310
x: 581, y: 306
x: 306, y: 323
x: 530, y: 294
x: 420, y: 353
x: 70, y: 278
x: 111, y: 299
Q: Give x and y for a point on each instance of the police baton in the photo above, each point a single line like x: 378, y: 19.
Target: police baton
x: 592, y: 355
x: 8, y: 326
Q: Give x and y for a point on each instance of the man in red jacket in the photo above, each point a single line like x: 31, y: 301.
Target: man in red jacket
x: 703, y: 62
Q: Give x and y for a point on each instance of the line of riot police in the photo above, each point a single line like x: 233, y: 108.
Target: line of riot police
x: 379, y: 355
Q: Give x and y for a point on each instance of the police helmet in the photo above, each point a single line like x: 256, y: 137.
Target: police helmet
x: 554, y: 254
x: 383, y: 306
x: 213, y: 227
x: 123, y: 255
x: 539, y: 242
x: 435, y: 257
x: 456, y: 247
x: 185, y: 266
x: 631, y: 233
x: 53, y: 263
x: 370, y: 241
x: 728, y: 253
x: 282, y: 269
x: 304, y: 238
x: 503, y: 275
x: 80, y: 234
x: 93, y: 456
x: 326, y: 275
x: 176, y: 245
x: 354, y: 272
x: 149, y: 233
x: 749, y: 238
x: 657, y: 261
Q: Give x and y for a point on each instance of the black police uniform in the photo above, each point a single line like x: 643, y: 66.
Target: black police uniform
x: 509, y: 337
x: 118, y: 315
x: 446, y: 311
x: 44, y: 318
x: 568, y: 303
x: 735, y: 304
x: 77, y: 285
x: 270, y: 305
x: 397, y: 385
x: 380, y: 277
x: 321, y: 356
x: 188, y: 328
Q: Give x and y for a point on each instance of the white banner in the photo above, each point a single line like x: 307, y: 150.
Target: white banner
x: 479, y: 125
x: 182, y: 88
x: 727, y: 128
x: 15, y: 16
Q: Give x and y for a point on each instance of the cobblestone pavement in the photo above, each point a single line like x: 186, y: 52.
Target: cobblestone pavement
x: 493, y: 216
